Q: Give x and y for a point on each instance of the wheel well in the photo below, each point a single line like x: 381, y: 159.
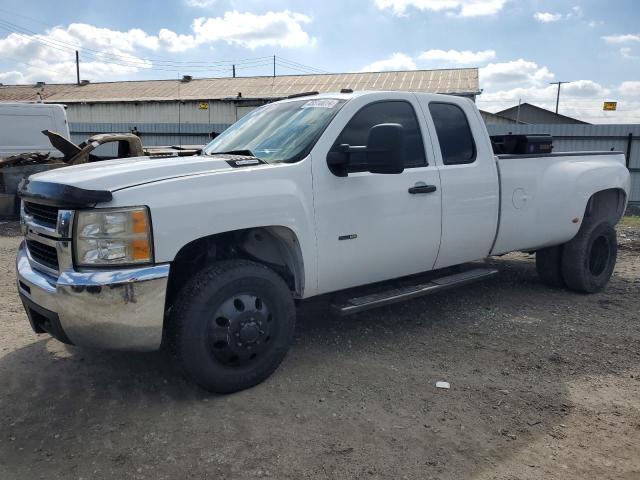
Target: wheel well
x: 274, y: 246
x: 607, y: 205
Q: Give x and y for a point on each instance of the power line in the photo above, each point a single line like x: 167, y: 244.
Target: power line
x: 125, y: 60
x: 151, y: 64
x: 300, y: 65
x: 155, y: 64
x: 77, y: 46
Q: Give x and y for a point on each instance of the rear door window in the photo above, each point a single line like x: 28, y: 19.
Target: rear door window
x: 454, y: 134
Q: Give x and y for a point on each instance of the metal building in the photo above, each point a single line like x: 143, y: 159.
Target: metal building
x: 493, y: 118
x: 528, y: 113
x: 176, y: 112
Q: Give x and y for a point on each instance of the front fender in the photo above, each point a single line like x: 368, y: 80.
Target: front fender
x: 188, y: 208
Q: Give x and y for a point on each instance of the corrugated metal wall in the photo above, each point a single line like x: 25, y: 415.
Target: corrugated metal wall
x: 159, y: 123
x: 567, y: 138
x: 152, y: 134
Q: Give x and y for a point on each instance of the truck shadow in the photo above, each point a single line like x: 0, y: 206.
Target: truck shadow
x: 355, y: 396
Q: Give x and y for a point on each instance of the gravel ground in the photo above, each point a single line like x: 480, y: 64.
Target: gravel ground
x: 544, y: 384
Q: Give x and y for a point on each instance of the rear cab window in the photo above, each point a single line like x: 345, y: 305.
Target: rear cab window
x: 454, y: 133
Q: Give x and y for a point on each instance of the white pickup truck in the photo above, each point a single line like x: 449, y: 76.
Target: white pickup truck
x: 306, y: 196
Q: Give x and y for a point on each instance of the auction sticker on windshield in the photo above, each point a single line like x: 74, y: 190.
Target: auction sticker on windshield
x: 321, y: 103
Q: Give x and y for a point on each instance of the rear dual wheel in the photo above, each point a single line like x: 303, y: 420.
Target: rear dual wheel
x: 589, y: 259
x: 549, y: 266
x: 585, y: 263
x: 233, y: 325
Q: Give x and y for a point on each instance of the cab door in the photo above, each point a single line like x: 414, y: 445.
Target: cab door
x: 469, y: 176
x: 373, y: 227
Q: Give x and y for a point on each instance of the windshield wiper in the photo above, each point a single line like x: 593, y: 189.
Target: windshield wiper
x: 244, y: 153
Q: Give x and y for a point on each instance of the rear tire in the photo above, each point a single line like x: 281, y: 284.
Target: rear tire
x: 233, y: 324
x: 589, y: 259
x: 549, y: 266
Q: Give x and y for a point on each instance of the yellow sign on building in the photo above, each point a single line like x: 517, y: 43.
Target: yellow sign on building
x: 610, y: 106
x: 204, y: 106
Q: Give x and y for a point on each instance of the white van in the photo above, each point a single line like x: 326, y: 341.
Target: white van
x: 21, y: 126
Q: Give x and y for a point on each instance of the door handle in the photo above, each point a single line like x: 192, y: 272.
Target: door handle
x: 422, y: 189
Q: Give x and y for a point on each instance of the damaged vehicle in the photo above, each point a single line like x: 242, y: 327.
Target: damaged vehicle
x: 125, y: 145
x: 350, y: 195
x: 39, y: 158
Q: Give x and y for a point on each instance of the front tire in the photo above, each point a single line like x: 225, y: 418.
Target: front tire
x: 233, y: 325
x: 589, y: 258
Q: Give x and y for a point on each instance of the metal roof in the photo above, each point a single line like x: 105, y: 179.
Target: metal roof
x: 461, y: 81
x: 534, y: 114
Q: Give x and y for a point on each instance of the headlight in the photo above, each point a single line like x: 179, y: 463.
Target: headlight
x: 113, y: 236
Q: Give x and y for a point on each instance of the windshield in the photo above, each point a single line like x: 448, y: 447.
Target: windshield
x: 279, y: 132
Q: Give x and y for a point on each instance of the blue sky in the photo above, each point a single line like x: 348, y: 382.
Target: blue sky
x: 519, y: 45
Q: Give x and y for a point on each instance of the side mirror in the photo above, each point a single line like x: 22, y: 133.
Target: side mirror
x: 385, y: 148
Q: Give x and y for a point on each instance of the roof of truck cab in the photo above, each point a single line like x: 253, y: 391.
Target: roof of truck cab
x: 458, y: 81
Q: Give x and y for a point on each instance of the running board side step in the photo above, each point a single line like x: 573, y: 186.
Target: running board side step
x: 366, y: 302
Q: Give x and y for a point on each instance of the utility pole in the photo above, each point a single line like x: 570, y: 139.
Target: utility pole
x: 518, y: 114
x: 558, y: 97
x: 77, y: 67
x: 234, y: 71
x: 274, y: 65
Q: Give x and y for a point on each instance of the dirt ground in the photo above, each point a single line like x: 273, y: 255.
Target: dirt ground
x: 544, y: 384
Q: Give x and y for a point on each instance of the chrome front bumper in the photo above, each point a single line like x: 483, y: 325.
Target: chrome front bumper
x: 109, y: 309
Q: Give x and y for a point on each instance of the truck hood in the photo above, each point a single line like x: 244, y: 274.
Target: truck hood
x: 112, y: 175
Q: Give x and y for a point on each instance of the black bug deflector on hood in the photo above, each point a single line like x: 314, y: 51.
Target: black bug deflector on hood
x: 50, y: 193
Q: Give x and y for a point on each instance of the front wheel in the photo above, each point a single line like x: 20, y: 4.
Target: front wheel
x: 233, y: 324
x: 589, y: 258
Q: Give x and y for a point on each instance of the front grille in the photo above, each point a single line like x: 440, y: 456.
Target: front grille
x: 43, y: 254
x: 42, y: 214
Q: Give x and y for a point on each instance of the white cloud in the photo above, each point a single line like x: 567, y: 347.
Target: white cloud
x: 397, y: 61
x: 622, y: 38
x: 520, y: 72
x: 249, y: 30
x: 576, y: 91
x: 547, y: 17
x: 460, y: 57
x: 51, y: 57
x: 575, y: 12
x: 12, y: 77
x: 175, y: 42
x: 584, y: 88
x: 464, y: 8
x: 472, y: 8
x: 581, y: 99
x: 630, y: 88
x: 402, y: 61
x: 105, y: 38
x: 200, y: 3
x: 107, y: 54
x: 628, y: 53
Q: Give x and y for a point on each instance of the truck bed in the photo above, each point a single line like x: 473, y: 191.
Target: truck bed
x: 541, y: 200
